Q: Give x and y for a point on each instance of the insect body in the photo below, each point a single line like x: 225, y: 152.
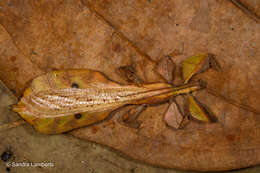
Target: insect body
x: 60, y: 101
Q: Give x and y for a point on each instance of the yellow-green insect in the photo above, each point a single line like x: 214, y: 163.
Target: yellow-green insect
x: 60, y: 101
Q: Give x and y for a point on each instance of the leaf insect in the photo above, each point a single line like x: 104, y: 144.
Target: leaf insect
x: 63, y: 100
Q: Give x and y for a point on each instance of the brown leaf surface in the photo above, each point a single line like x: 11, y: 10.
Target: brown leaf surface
x: 37, y: 36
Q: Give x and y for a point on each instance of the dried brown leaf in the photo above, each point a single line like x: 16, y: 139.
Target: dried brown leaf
x: 82, y: 34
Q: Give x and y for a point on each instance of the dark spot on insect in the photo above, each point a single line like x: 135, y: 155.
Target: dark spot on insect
x: 8, y: 169
x: 6, y: 155
x: 74, y: 85
x: 232, y: 29
x: 177, y: 24
x: 77, y: 116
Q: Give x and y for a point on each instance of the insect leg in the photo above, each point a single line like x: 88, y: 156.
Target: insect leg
x: 130, y: 117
